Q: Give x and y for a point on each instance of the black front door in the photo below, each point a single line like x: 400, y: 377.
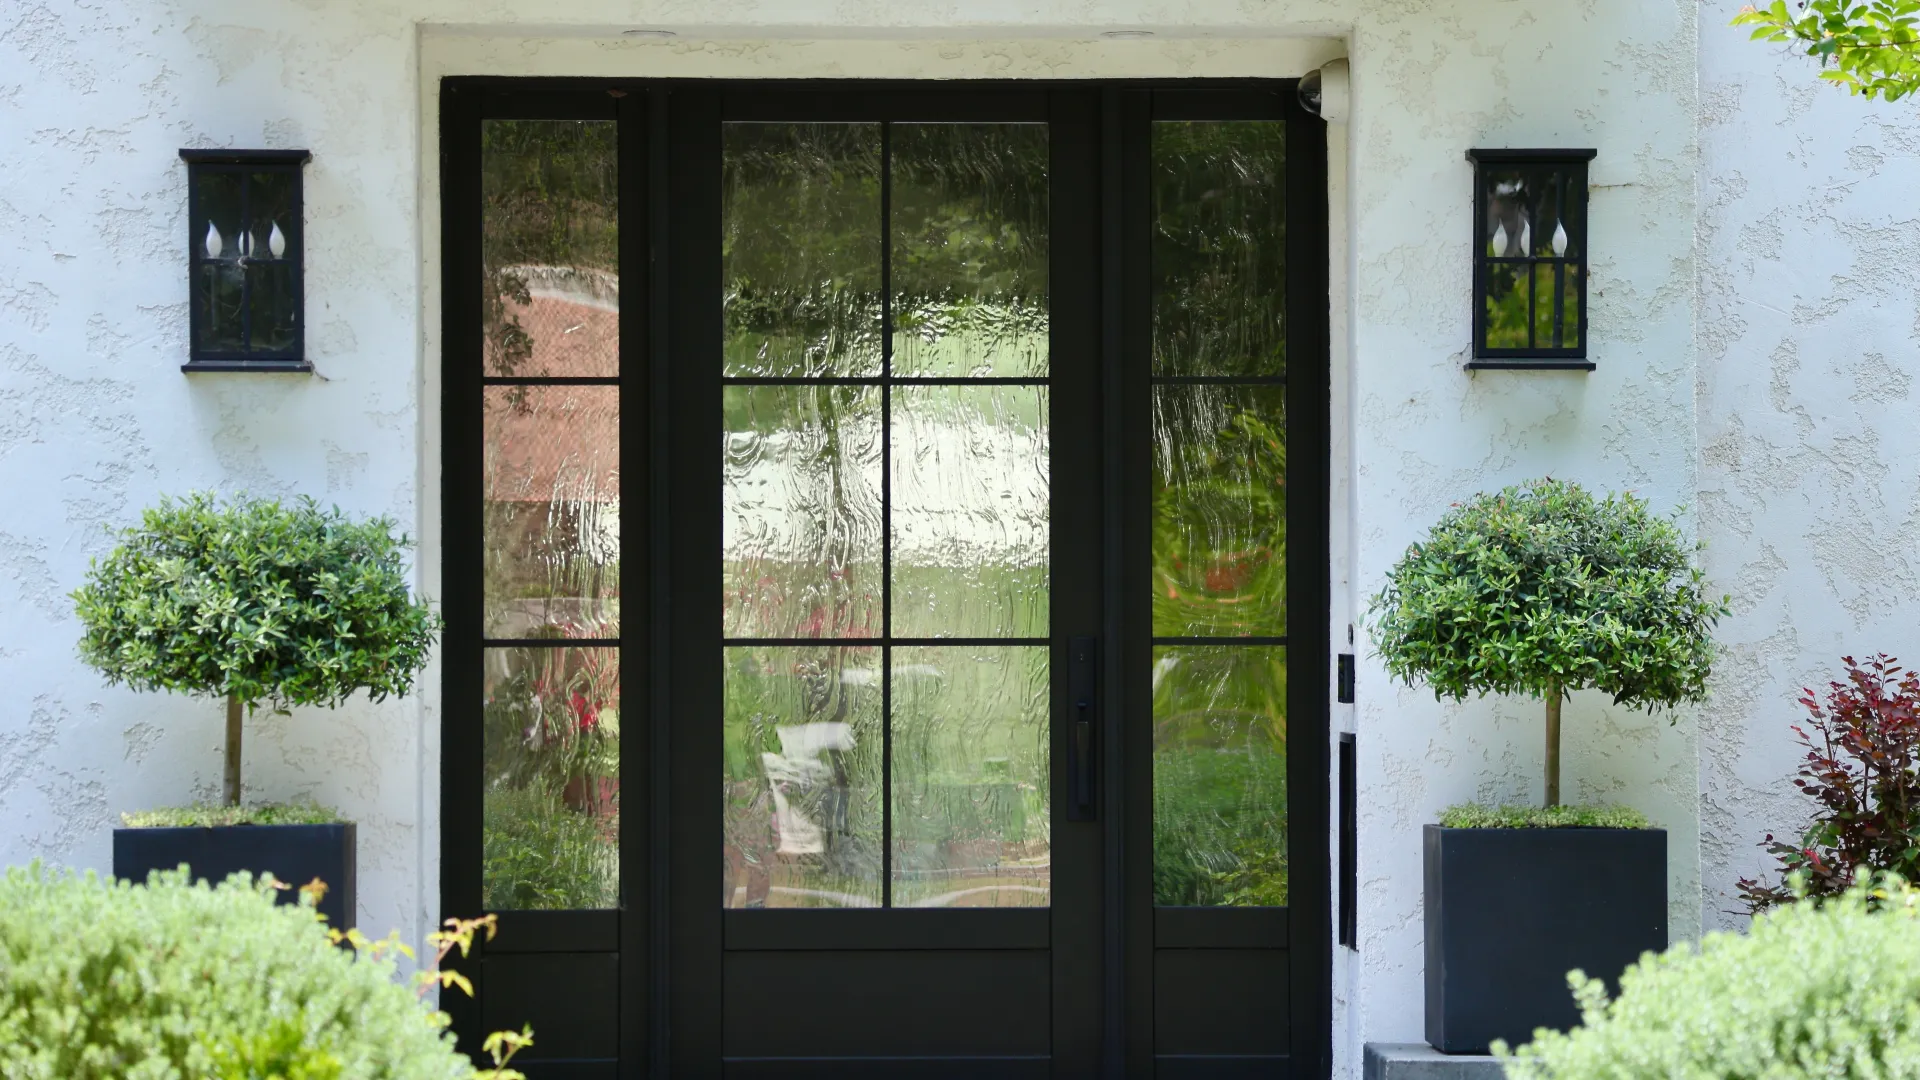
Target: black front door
x: 886, y: 534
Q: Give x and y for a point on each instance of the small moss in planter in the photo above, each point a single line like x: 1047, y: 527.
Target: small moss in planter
x: 1476, y: 816
x: 205, y: 816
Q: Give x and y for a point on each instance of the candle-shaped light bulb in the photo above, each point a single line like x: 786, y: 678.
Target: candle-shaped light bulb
x: 1560, y: 241
x: 215, y: 244
x: 1526, y: 237
x: 277, y: 241
x: 246, y: 242
x: 1500, y: 240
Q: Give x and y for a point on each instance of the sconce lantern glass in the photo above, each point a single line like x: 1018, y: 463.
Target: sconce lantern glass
x: 244, y: 256
x: 1530, y: 258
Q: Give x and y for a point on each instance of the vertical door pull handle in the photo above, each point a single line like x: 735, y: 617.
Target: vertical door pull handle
x: 1083, y: 676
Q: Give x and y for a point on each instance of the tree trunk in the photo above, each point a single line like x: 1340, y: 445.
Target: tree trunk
x: 1553, y: 746
x: 232, y: 774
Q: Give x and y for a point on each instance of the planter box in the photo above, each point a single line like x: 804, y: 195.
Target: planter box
x: 296, y: 854
x: 1510, y: 911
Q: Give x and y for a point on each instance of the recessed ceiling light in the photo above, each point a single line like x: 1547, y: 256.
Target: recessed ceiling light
x: 649, y: 33
x: 1125, y: 35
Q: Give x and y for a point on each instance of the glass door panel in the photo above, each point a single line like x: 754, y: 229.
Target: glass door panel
x: 1219, y: 544
x: 549, y: 519
x: 886, y: 487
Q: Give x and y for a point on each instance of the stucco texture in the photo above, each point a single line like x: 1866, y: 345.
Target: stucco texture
x: 1809, y: 340
x: 1752, y: 312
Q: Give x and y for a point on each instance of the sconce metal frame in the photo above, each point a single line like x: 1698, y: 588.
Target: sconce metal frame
x: 1565, y: 348
x: 201, y: 355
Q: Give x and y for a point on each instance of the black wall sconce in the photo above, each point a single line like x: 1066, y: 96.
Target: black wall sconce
x: 244, y: 260
x: 1530, y: 259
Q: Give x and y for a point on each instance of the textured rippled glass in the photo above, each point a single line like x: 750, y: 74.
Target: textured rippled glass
x: 1220, y: 776
x: 970, y: 780
x: 970, y: 236
x: 550, y: 247
x: 804, y: 822
x: 800, y: 249
x: 1219, y: 511
x: 1219, y: 248
x: 550, y: 532
x: 551, y: 805
x: 802, y: 511
x: 970, y: 501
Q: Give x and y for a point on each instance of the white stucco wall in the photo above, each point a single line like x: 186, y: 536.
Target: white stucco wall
x: 1809, y: 341
x: 1784, y: 433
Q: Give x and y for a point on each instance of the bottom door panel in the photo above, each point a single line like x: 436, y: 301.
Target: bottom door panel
x: 907, y: 1004
x: 571, y: 999
x: 1231, y: 1002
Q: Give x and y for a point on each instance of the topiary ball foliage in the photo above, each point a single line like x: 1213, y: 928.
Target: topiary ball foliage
x: 249, y: 598
x: 1542, y: 588
x: 104, y: 980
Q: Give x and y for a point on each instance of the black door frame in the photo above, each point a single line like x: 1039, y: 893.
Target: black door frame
x: 662, y: 122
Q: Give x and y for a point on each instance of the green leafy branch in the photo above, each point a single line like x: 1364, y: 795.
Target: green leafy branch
x: 1871, y: 48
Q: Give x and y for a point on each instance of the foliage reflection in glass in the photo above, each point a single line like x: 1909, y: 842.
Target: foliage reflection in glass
x: 802, y: 786
x: 970, y: 237
x: 551, y: 817
x: 1219, y: 248
x: 550, y: 247
x: 802, y: 511
x: 970, y: 503
x: 551, y: 531
x: 970, y: 783
x: 1219, y: 511
x: 800, y: 249
x: 1219, y: 776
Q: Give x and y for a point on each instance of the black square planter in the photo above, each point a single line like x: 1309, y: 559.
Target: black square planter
x: 296, y: 854
x: 1510, y: 911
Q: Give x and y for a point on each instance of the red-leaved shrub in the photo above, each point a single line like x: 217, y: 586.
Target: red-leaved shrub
x: 1863, y: 767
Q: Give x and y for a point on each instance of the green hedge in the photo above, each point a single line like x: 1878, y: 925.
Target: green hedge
x: 1829, y: 990
x: 103, y: 980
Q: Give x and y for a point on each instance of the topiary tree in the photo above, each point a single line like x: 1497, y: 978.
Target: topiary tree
x: 258, y: 603
x: 1811, y: 991
x: 1542, y: 589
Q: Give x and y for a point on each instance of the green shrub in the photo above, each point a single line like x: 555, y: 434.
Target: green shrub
x: 1830, y: 991
x: 255, y: 602
x: 540, y: 854
x: 103, y: 980
x: 201, y: 815
x: 1476, y: 816
x: 1541, y: 590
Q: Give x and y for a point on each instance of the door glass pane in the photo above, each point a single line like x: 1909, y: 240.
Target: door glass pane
x: 551, y: 803
x: 550, y: 247
x: 802, y: 505
x: 970, y: 236
x: 551, y: 520
x: 804, y: 753
x: 970, y: 498
x: 1219, y: 251
x: 1219, y: 511
x: 800, y: 249
x: 970, y: 780
x: 1219, y: 775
